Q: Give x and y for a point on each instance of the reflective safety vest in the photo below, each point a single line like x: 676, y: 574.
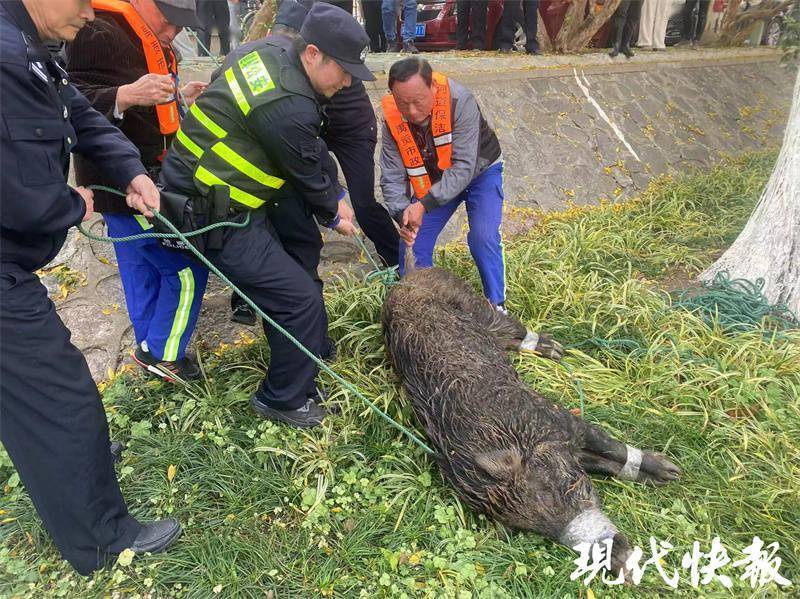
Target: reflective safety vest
x: 441, y: 127
x: 154, y: 53
x: 214, y: 143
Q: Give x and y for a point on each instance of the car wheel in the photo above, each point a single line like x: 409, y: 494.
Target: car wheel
x: 773, y: 34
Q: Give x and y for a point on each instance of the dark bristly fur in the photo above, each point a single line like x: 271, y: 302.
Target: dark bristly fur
x: 509, y: 452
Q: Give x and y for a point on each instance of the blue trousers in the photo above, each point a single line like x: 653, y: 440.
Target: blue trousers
x: 483, y: 198
x: 389, y: 14
x: 163, y: 289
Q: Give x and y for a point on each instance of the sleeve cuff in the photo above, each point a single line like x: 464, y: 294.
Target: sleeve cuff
x: 337, y: 219
x: 429, y: 202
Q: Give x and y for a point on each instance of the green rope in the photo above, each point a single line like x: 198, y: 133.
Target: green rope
x: 387, y: 276
x: 738, y: 305
x: 322, y: 365
x: 216, y: 60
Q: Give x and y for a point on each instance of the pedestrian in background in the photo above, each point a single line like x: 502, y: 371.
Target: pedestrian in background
x: 471, y: 24
x: 514, y: 12
x: 214, y: 14
x: 409, y: 31
x: 653, y: 24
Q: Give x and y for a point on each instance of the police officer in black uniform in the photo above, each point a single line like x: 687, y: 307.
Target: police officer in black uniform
x: 350, y: 132
x: 52, y: 422
x: 255, y: 130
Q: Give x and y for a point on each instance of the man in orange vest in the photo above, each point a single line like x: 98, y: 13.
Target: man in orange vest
x: 123, y: 63
x: 438, y: 153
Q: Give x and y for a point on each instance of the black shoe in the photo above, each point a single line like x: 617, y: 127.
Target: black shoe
x: 243, y: 314
x: 614, y: 52
x: 157, y: 536
x: 504, y: 50
x: 409, y: 48
x: 185, y: 369
x: 533, y: 52
x: 306, y: 416
x: 395, y: 47
x: 627, y: 52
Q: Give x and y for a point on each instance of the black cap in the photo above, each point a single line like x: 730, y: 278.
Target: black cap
x: 181, y: 13
x: 291, y: 14
x: 338, y: 35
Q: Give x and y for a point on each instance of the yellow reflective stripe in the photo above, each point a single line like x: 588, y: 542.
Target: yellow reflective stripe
x: 237, y: 91
x: 182, y: 313
x: 143, y: 222
x: 189, y: 144
x: 205, y: 176
x: 201, y: 116
x: 241, y: 164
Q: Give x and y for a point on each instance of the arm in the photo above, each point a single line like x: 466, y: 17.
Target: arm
x: 103, y: 143
x: 288, y: 130
x: 466, y: 139
x: 394, y: 181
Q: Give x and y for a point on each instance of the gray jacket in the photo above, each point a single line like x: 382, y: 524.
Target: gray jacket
x: 475, y: 148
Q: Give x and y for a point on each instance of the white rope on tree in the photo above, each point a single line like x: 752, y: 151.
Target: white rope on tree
x: 769, y: 245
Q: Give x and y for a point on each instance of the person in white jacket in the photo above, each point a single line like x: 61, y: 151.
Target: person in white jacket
x: 653, y: 24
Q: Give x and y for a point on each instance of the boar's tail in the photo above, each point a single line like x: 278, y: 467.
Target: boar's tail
x: 410, y: 261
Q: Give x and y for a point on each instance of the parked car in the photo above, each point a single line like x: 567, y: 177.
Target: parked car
x: 436, y: 24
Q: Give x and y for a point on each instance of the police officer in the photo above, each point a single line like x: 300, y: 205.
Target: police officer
x: 255, y: 129
x: 350, y: 132
x: 52, y: 421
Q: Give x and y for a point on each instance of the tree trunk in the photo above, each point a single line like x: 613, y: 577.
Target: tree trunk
x: 545, y: 43
x: 769, y: 245
x: 736, y: 26
x: 261, y: 22
x: 578, y: 28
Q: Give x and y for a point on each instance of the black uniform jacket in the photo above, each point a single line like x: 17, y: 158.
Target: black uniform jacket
x: 44, y: 118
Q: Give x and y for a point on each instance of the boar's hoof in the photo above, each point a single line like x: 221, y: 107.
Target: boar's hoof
x: 543, y: 345
x: 648, y: 467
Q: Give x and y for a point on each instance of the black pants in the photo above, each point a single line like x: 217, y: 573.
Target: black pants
x: 471, y: 24
x: 525, y: 12
x: 254, y: 260
x: 356, y: 156
x: 214, y: 13
x: 373, y: 23
x: 54, y: 428
x: 626, y: 22
x: 690, y: 32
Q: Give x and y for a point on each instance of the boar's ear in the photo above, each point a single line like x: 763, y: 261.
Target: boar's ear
x: 501, y: 464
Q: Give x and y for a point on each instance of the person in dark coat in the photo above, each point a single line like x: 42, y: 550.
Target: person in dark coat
x: 163, y: 288
x: 214, y: 14
x: 52, y: 422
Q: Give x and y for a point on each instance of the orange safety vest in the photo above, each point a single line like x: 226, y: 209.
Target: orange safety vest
x: 168, y: 116
x: 441, y: 127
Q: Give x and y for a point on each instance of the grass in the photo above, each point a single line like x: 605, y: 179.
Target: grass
x: 353, y: 509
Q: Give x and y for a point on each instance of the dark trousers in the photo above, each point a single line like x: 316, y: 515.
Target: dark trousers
x: 626, y: 22
x: 356, y: 156
x: 691, y: 31
x: 526, y: 13
x: 54, y: 428
x: 253, y: 259
x: 373, y: 23
x: 211, y: 14
x: 471, y: 24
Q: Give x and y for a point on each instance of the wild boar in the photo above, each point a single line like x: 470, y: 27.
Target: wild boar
x: 510, y: 452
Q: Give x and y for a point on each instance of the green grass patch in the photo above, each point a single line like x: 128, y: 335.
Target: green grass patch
x: 353, y: 509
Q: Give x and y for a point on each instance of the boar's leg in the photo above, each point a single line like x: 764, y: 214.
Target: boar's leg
x: 602, y: 454
x: 510, y: 332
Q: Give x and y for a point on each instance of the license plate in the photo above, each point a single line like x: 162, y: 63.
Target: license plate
x: 420, y: 30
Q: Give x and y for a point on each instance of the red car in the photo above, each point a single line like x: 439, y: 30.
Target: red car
x: 436, y: 24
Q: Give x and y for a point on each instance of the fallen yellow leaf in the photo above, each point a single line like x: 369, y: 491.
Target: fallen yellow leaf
x: 171, y: 471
